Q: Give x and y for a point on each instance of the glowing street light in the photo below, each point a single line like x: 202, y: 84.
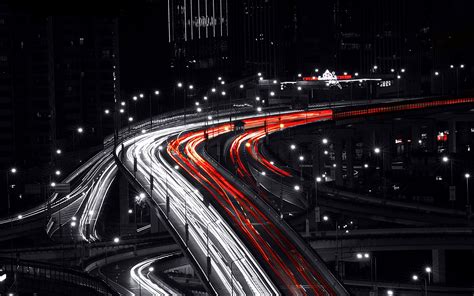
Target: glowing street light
x: 292, y: 146
x: 116, y: 240
x: 377, y: 150
x: 13, y: 170
x: 325, y: 218
x: 180, y: 84
x: 58, y: 151
x: 80, y: 130
x: 58, y: 172
x: 445, y: 159
x: 301, y: 158
x: 414, y: 277
x: 297, y: 188
x: 107, y: 111
x: 325, y: 141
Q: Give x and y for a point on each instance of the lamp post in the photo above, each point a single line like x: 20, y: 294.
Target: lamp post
x: 416, y: 278
x: 461, y: 66
x: 467, y: 176
x: 232, y: 274
x: 12, y: 171
x: 441, y: 74
x: 207, y: 246
x: 373, y: 267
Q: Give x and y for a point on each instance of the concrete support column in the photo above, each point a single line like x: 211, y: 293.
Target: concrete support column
x: 452, y: 138
x: 316, y: 147
x: 338, y: 156
x: 432, y: 137
x: 350, y: 162
x: 439, y: 266
x: 387, y: 150
x: 124, y: 205
x: 154, y: 221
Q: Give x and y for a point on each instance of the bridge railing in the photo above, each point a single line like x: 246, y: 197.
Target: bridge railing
x: 39, y: 271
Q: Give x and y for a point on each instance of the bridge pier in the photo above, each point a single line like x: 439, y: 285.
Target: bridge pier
x: 439, y: 266
x: 124, y: 187
x: 452, y: 137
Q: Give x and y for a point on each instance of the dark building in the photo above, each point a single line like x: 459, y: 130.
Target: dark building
x: 264, y: 36
x: 56, y: 74
x: 198, y: 33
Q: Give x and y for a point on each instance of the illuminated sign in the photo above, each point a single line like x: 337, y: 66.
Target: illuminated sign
x: 328, y: 76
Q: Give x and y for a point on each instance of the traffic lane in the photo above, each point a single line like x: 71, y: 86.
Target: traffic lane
x: 245, y: 216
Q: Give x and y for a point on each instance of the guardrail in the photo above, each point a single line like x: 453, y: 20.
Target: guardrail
x: 38, y: 271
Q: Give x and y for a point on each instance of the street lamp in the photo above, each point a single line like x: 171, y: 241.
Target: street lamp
x: 58, y: 151
x: 292, y: 146
x: 297, y: 188
x: 468, y: 204
x: 390, y: 292
x: 325, y: 141
x: 377, y: 150
x: 116, y: 240
x: 80, y: 130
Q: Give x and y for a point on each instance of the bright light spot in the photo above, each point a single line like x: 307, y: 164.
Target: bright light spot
x: 53, y: 184
x: 223, y: 93
x: 106, y: 111
x: 263, y: 173
x: 180, y: 84
x: 91, y: 212
x: 197, y: 103
x: 241, y: 86
x: 222, y: 82
x: 134, y: 98
x: 80, y: 130
x: 359, y: 256
x: 157, y: 92
x: 334, y: 165
x: 301, y: 158
x: 160, y: 147
x: 247, y: 144
x: 467, y: 175
x: 122, y: 110
x: 259, y: 74
x: 142, y: 95
x: 445, y: 159
x: 366, y: 255
x: 274, y: 82
x: 176, y: 167
x: 452, y: 66
x: 377, y: 150
x: 318, y: 179
x: 414, y: 277
x: 297, y: 187
x: 58, y: 173
x: 143, y: 131
x: 325, y: 141
x: 399, y: 77
x: 316, y: 70
x: 150, y: 269
x: 20, y: 217
x: 199, y: 109
x: 257, y: 98
x: 272, y: 163
x: 392, y: 70
x: 292, y: 146
x: 130, y: 119
x: 282, y: 125
x: 272, y: 93
x: 116, y: 240
x: 58, y: 151
x: 461, y: 66
x: 436, y: 73
x: 389, y: 292
x: 123, y: 103
x: 427, y: 269
x: 73, y: 223
x: 356, y: 74
x: 299, y: 75
x: 130, y: 211
x: 325, y: 218
x: 13, y: 170
x: 375, y: 67
x: 209, y: 117
x: 74, y: 218
x: 259, y: 109
x: 261, y: 78
x: 366, y: 165
x: 142, y: 195
x: 403, y: 70
x: 299, y: 88
x: 191, y: 86
x: 326, y: 152
x: 205, y: 98
x: 213, y: 90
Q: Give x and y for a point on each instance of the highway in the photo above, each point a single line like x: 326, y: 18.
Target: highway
x: 235, y: 240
